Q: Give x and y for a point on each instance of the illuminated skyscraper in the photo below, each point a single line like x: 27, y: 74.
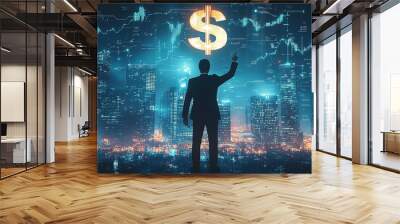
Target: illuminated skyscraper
x: 264, y: 119
x: 184, y: 133
x: 289, y: 117
x: 150, y: 102
x: 169, y: 113
x: 110, y: 114
x: 271, y: 121
x: 224, y: 125
x: 140, y: 98
x: 305, y: 98
x: 257, y: 118
x: 173, y: 127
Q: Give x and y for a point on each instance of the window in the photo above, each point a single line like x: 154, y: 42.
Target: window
x: 327, y: 96
x: 385, y: 89
x: 346, y: 93
x: 22, y: 92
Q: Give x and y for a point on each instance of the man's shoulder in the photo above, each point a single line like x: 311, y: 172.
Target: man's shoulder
x: 197, y: 78
x: 193, y: 79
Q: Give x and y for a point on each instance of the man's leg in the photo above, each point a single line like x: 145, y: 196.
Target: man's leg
x: 198, y: 128
x: 212, y: 131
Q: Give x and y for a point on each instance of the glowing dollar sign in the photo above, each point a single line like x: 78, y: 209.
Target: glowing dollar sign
x: 196, y: 21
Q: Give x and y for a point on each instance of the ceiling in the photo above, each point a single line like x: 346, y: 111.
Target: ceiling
x: 74, y: 21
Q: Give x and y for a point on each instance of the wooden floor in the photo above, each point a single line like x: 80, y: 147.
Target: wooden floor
x: 5, y: 172
x: 70, y: 191
x: 386, y: 159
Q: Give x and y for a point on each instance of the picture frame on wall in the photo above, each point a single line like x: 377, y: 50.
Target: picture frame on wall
x: 204, y: 88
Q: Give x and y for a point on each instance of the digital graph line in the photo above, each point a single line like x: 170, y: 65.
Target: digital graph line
x: 291, y: 47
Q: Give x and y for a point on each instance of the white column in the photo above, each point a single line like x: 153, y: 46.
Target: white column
x: 62, y: 103
x: 360, y: 90
x: 50, y: 92
x: 50, y: 99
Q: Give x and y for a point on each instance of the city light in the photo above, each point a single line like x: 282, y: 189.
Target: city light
x: 266, y: 94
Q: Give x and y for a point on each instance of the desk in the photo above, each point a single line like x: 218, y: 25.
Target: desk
x: 15, y: 148
x: 391, y: 141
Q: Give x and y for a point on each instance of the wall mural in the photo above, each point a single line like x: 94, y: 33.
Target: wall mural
x: 221, y: 88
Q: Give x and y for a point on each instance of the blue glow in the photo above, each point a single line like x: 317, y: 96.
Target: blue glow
x: 172, y: 152
x: 175, y: 30
x: 266, y: 94
x: 139, y: 15
x: 186, y: 69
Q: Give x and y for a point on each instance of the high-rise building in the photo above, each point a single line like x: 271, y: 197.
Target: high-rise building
x: 140, y: 101
x: 183, y: 133
x: 271, y: 120
x: 264, y: 119
x: 289, y: 117
x: 257, y: 111
x: 172, y: 122
x: 169, y: 113
x: 110, y: 113
x: 305, y: 98
x: 224, y: 125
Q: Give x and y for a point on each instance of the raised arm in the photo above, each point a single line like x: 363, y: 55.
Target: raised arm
x: 186, y: 104
x: 230, y: 73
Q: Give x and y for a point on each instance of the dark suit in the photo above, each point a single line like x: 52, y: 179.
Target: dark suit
x: 205, y: 113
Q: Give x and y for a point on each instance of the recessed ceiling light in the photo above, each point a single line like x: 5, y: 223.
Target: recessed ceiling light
x: 337, y: 7
x: 5, y: 50
x: 84, y: 71
x: 64, y: 40
x: 70, y: 5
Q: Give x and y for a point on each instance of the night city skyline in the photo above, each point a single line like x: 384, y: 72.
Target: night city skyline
x: 145, y: 62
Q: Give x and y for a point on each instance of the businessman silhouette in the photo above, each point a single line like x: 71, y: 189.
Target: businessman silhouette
x: 205, y: 112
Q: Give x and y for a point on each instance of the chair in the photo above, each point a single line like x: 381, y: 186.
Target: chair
x: 84, y: 130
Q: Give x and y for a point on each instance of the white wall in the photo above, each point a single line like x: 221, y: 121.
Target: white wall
x: 33, y: 127
x: 12, y: 73
x: 71, y: 102
x: 16, y: 73
x: 80, y: 112
x: 62, y: 82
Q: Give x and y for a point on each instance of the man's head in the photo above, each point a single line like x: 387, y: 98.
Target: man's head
x: 204, y: 66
